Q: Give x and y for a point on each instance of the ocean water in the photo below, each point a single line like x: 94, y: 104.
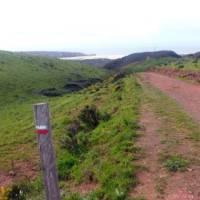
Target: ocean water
x: 93, y: 57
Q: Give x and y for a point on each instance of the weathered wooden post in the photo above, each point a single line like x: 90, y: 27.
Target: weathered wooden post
x: 47, y: 154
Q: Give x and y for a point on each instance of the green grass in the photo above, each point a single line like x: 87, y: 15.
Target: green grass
x: 192, y: 64
x: 176, y: 163
x: 176, y: 119
x: 187, y: 64
x: 177, y: 130
x: 148, y: 64
x: 104, y: 154
x: 21, y: 79
x: 112, y: 147
x: 109, y: 151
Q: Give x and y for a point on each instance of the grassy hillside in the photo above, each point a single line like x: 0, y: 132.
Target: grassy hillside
x: 140, y: 62
x: 140, y: 57
x: 110, y: 141
x: 186, y: 68
x: 148, y: 65
x: 95, y: 130
x: 184, y: 63
x: 187, y: 63
x: 22, y: 77
x: 103, y: 155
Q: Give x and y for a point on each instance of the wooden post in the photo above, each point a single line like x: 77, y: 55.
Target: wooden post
x: 47, y: 155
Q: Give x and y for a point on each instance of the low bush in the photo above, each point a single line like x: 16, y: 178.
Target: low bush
x: 90, y: 116
x: 65, y: 164
x: 19, y: 190
x: 105, y: 116
x: 176, y: 163
x: 69, y: 140
x: 104, y: 144
x: 180, y: 66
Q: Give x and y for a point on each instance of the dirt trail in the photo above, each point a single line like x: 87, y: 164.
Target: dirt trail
x: 155, y: 182
x: 150, y: 143
x: 188, y: 95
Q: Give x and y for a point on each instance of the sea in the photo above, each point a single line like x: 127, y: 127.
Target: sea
x: 112, y: 57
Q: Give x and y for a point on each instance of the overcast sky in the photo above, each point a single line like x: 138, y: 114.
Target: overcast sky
x: 100, y: 26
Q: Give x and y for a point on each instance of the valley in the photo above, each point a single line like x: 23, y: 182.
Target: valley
x: 142, y: 143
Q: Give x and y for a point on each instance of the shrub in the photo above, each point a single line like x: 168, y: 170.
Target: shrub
x: 181, y: 66
x: 118, y: 88
x: 73, y: 130
x: 175, y: 163
x: 65, y: 164
x: 105, y: 116
x: 37, y: 185
x: 83, y: 140
x: 90, y: 116
x: 51, y: 92
x: 69, y: 141
x: 195, y: 61
x: 19, y: 190
x: 118, y: 76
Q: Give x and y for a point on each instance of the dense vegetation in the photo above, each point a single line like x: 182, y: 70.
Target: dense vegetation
x: 21, y: 80
x: 188, y: 64
x: 94, y: 129
x: 23, y: 77
x: 140, y: 57
x: 99, y: 62
x: 101, y: 150
x: 87, y: 151
x: 148, y: 65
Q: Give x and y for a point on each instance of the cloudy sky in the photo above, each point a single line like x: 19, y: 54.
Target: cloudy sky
x: 100, y: 26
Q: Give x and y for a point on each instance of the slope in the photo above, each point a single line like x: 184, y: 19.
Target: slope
x: 23, y: 77
x: 98, y: 154
x: 138, y: 57
x: 21, y: 80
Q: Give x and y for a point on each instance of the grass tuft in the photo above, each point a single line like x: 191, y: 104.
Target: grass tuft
x: 176, y: 163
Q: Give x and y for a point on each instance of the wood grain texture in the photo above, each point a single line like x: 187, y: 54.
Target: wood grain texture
x: 47, y: 154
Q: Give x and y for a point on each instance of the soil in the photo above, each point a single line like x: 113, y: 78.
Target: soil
x: 155, y: 182
x: 20, y: 171
x: 151, y: 144
x: 84, y: 188
x: 188, y: 95
x: 192, y: 75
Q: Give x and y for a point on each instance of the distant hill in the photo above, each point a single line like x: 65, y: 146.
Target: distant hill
x: 193, y: 55
x: 137, y: 57
x: 52, y: 54
x: 100, y: 62
x: 197, y: 55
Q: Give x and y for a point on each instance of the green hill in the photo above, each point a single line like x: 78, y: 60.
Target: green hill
x: 23, y: 77
x: 100, y: 151
x: 21, y: 80
x: 100, y: 155
x: 140, y: 57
